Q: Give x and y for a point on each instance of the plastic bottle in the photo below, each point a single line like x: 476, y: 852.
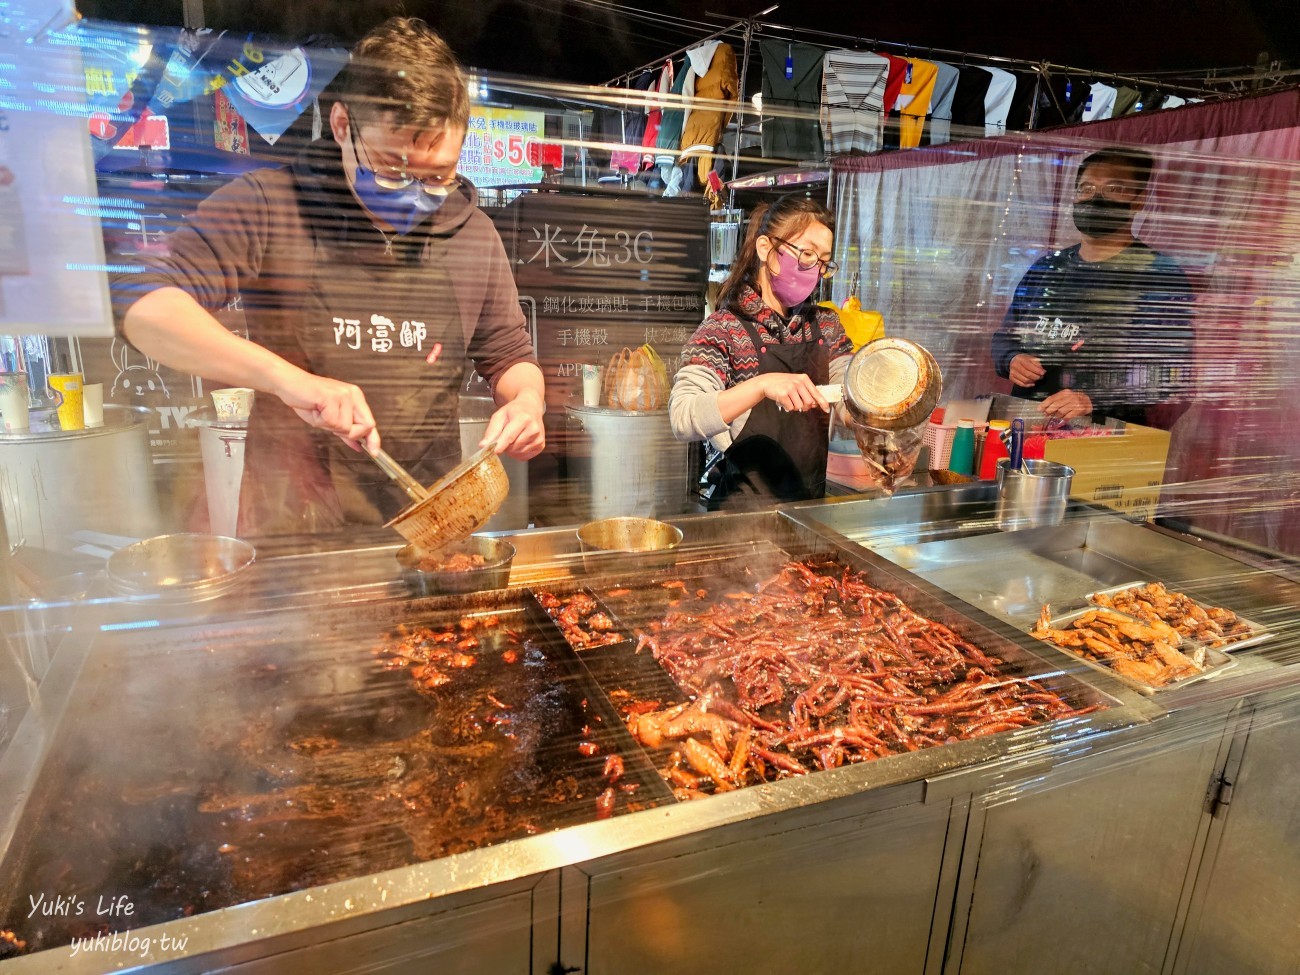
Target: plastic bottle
x: 994, y: 449
x: 962, y: 458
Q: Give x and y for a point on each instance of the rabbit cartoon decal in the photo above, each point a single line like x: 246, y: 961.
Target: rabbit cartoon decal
x: 136, y: 380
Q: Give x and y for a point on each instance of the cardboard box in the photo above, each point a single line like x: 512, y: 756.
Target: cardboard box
x: 1123, y: 471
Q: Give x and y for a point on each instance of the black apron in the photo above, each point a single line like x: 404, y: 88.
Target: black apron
x: 392, y: 327
x: 778, y: 456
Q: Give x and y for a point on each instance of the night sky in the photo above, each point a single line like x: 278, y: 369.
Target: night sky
x: 589, y: 41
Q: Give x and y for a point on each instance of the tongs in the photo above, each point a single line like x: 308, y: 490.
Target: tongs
x: 414, y: 489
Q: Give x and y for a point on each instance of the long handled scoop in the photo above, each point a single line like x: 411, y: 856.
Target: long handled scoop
x: 414, y: 489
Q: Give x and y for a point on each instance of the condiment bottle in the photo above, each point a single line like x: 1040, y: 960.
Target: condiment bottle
x: 994, y: 449
x: 962, y: 458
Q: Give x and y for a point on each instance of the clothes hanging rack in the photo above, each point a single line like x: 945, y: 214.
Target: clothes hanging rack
x: 739, y: 25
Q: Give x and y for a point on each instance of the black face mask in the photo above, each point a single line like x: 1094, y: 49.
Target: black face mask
x: 1100, y: 217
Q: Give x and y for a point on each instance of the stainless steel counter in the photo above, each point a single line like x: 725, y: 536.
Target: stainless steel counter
x: 613, y: 871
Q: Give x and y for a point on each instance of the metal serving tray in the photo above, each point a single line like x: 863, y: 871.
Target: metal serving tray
x: 1256, y: 633
x: 1216, y: 661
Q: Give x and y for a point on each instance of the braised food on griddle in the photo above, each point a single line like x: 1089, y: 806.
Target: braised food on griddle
x: 812, y: 669
x: 581, y: 619
x: 1213, y: 626
x: 1146, y: 652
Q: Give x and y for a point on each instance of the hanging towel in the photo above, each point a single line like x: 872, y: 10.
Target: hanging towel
x: 702, y: 130
x: 853, y: 96
x: 792, y: 138
x: 1100, y: 104
x: 945, y: 86
x: 914, y: 100
x: 997, y: 102
x: 968, y: 102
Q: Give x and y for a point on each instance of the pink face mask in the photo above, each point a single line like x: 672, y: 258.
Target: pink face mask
x: 792, y: 285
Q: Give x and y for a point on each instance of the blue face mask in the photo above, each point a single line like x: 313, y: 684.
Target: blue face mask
x: 403, y: 209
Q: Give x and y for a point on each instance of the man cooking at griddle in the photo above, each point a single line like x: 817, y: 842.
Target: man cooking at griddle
x: 368, y: 275
x: 1103, y: 326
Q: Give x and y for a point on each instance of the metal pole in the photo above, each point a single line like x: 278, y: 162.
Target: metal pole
x: 740, y: 106
x: 1033, y: 106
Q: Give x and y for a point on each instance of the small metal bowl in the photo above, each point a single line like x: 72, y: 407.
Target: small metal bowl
x: 495, y: 574
x: 182, y: 567
x: 625, y: 544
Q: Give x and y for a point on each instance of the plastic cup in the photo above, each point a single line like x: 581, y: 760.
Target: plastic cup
x: 234, y: 403
x: 66, y: 387
x: 92, y: 404
x: 590, y: 385
x: 13, y: 402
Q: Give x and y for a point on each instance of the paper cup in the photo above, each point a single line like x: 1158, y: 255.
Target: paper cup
x: 13, y: 402
x: 234, y: 403
x: 66, y: 387
x: 92, y: 404
x: 590, y: 385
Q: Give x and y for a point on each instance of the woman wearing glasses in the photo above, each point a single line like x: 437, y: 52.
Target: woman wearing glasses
x: 367, y: 275
x: 749, y: 375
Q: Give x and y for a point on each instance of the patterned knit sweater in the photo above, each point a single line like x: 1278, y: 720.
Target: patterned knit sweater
x: 720, y: 355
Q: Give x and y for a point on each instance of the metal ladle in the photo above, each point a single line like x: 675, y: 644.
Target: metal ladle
x: 413, y: 488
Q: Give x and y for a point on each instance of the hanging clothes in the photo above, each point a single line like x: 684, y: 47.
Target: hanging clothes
x: 852, y: 102
x: 655, y: 115
x: 1100, y: 103
x: 669, y: 139
x: 914, y: 100
x: 1057, y: 100
x: 1125, y: 99
x: 894, y: 82
x: 945, y: 86
x: 1022, y: 102
x: 968, y: 101
x: 634, y: 123
x: 997, y: 102
x: 1173, y: 101
x: 716, y: 80
x: 792, y: 138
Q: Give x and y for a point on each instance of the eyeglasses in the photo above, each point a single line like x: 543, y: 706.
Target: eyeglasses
x: 1115, y: 190
x: 808, y: 259
x: 396, y: 177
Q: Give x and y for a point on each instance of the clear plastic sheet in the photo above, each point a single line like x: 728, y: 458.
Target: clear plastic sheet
x: 775, y: 739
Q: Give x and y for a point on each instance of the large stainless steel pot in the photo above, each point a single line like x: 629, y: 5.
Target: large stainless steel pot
x: 55, y: 482
x: 186, y: 567
x: 495, y: 574
x: 619, y: 544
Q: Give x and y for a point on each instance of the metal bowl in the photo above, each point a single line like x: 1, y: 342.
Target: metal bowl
x: 182, y: 567
x: 619, y: 544
x: 495, y: 574
x: 458, y: 504
x: 892, y: 384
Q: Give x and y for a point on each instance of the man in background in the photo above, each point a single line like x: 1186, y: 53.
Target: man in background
x: 1103, y: 326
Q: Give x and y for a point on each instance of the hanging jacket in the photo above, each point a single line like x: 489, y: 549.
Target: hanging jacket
x: 968, y: 108
x: 914, y: 100
x: 1125, y: 99
x: 894, y: 81
x: 1100, y: 104
x: 853, y: 98
x: 997, y: 103
x: 783, y: 137
x: 654, y: 117
x: 702, y: 128
x: 1022, y: 102
x: 945, y: 87
x: 634, y: 123
x: 670, y: 125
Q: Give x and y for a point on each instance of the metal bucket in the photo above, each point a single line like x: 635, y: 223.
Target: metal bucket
x: 54, y: 483
x: 623, y: 463
x: 494, y: 574
x: 1034, y: 496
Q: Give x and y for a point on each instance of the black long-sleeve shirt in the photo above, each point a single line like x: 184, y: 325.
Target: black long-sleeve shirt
x: 1119, y: 330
